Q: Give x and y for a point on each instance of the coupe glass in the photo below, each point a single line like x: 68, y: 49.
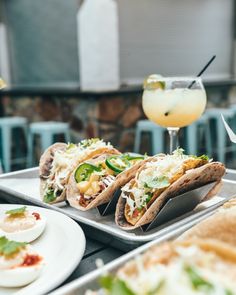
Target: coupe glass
x: 173, y: 102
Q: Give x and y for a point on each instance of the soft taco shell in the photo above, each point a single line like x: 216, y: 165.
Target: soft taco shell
x: 107, y: 194
x: 194, y: 178
x: 45, y: 166
x: 47, y: 158
x: 220, y: 226
x: 164, y: 253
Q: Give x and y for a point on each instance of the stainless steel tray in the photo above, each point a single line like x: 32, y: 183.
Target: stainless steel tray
x: 23, y: 187
x: 90, y: 281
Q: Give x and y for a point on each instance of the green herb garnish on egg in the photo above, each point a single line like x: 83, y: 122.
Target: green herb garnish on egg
x: 9, y: 248
x: 17, y: 211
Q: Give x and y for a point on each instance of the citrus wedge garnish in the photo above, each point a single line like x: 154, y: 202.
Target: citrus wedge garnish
x: 2, y: 84
x: 153, y: 82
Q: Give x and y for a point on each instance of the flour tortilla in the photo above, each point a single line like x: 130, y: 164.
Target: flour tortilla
x: 220, y: 226
x: 210, y: 172
x: 45, y: 166
x: 104, y: 197
x: 47, y: 159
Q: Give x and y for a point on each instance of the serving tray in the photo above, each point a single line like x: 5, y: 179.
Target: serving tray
x: 90, y: 281
x: 23, y: 187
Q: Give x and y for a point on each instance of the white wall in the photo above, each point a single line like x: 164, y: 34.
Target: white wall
x: 175, y: 37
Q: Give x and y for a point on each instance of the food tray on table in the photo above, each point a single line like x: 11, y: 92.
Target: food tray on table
x: 92, y: 281
x: 23, y: 187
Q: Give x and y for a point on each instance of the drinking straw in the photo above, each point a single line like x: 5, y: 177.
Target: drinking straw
x: 202, y: 71
x: 194, y: 81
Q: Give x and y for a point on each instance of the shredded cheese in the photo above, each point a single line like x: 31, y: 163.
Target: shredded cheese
x: 167, y: 167
x: 64, y: 160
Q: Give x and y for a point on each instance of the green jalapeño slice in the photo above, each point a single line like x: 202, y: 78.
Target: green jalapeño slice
x: 84, y: 171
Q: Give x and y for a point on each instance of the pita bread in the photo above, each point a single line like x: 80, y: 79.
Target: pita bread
x: 194, y: 178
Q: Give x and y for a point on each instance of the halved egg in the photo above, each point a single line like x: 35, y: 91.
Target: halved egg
x: 20, y: 267
x: 22, y: 225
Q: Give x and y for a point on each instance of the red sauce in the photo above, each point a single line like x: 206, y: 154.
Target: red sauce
x: 36, y: 215
x: 31, y: 260
x: 136, y: 213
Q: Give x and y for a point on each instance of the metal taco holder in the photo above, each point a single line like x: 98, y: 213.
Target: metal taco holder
x: 22, y: 187
x: 173, y: 208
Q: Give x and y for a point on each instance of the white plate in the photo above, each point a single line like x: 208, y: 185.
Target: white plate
x: 62, y: 245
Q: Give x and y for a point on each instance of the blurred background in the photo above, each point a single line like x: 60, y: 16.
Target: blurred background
x: 83, y: 63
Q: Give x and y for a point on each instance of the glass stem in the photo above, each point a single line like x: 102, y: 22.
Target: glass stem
x: 173, y: 132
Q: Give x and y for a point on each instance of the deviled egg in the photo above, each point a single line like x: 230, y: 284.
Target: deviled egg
x: 22, y: 225
x: 19, y: 263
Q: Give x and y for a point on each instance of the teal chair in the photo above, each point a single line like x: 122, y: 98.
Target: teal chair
x: 157, y: 136
x: 47, y: 132
x: 196, y: 133
x: 7, y: 127
x: 218, y: 131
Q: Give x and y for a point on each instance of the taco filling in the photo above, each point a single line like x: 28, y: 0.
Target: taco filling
x: 153, y: 179
x: 169, y: 269
x: 63, y: 162
x: 95, y: 175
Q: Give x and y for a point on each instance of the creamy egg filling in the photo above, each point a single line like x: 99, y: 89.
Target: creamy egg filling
x: 14, y: 260
x: 16, y: 223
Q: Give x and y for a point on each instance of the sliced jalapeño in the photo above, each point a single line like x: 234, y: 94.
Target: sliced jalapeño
x: 84, y: 171
x: 117, y: 163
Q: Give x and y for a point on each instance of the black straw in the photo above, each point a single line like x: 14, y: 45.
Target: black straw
x: 202, y: 71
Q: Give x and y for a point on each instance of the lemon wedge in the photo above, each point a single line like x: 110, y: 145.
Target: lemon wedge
x: 153, y: 82
x: 2, y: 84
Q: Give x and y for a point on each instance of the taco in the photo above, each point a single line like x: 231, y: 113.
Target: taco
x: 143, y: 197
x: 221, y: 225
x: 59, y: 160
x: 193, y: 267
x: 94, y: 181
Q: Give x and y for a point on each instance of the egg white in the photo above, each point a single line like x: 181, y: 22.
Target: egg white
x: 26, y: 235
x: 20, y: 275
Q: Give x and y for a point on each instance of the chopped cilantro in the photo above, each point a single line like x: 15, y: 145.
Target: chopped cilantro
x: 158, y: 182
x: 178, y: 152
x: 229, y: 292
x: 115, y: 286
x: 8, y: 248
x: 70, y: 146
x: 198, y: 282
x: 158, y: 288
x: 88, y: 142
x: 49, y: 196
x: 202, y: 157
x: 17, y: 211
x: 148, y: 197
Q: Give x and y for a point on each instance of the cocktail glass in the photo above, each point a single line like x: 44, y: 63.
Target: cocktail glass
x: 173, y: 102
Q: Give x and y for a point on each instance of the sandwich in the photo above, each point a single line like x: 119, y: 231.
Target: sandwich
x: 94, y: 182
x: 159, y: 180
x: 59, y: 160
